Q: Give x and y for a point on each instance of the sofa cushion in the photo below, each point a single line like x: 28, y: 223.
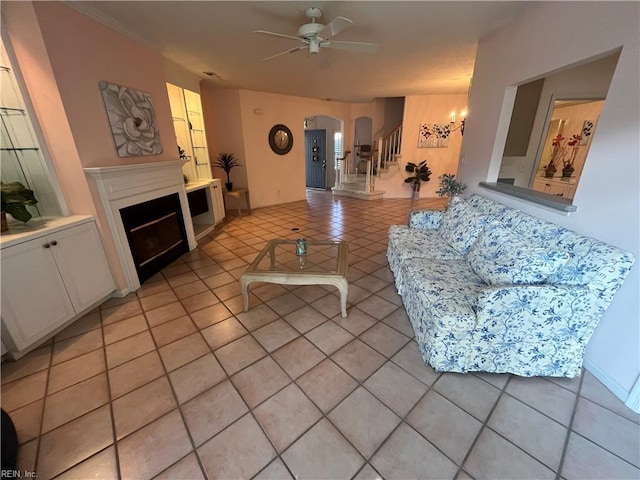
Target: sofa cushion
x: 408, y: 243
x: 418, y: 243
x: 501, y: 257
x: 461, y: 225
x: 440, y: 299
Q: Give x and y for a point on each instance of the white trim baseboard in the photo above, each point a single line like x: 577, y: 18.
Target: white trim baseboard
x: 631, y: 399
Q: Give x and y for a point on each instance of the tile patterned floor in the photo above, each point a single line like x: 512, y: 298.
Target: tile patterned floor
x: 176, y: 382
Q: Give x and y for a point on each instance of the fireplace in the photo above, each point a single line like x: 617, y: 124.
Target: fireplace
x: 156, y: 234
x: 160, y: 227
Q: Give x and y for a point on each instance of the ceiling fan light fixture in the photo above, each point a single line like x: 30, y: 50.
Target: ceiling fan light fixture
x: 314, y: 46
x: 314, y: 36
x: 310, y: 30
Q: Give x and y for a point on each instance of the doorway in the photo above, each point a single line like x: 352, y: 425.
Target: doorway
x: 315, y: 146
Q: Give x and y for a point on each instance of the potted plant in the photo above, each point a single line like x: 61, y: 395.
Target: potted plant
x: 226, y: 161
x: 449, y: 186
x: 15, y: 197
x: 421, y: 173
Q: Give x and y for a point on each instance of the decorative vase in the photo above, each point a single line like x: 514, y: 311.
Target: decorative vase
x: 550, y: 170
x: 416, y: 190
x: 5, y: 227
x: 229, y: 186
x: 567, y: 171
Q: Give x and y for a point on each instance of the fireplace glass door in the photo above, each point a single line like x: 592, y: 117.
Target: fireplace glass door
x: 156, y: 234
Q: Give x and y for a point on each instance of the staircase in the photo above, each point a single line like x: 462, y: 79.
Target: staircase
x: 354, y: 183
x: 358, y: 181
x: 389, y: 148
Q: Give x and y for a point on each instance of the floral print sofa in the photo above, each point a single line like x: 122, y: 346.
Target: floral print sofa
x: 489, y: 288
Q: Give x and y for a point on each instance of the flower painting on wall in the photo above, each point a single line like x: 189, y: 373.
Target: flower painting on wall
x: 587, y: 131
x: 434, y: 135
x: 132, y: 119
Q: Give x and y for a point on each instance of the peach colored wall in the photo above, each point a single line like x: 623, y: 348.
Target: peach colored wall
x: 21, y: 23
x: 420, y: 109
x: 223, y: 124
x: 272, y: 178
x: 178, y: 76
x: 83, y: 52
x: 63, y: 55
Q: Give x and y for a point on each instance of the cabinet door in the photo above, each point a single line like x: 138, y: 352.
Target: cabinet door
x: 82, y: 263
x: 34, y: 297
x: 218, y: 201
x: 556, y: 189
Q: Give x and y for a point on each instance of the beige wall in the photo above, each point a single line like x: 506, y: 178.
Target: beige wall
x: 420, y: 109
x: 240, y: 121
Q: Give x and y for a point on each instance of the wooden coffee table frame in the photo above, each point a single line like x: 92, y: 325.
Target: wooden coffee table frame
x: 337, y: 279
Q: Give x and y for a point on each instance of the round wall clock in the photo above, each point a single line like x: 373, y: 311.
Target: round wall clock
x: 280, y: 139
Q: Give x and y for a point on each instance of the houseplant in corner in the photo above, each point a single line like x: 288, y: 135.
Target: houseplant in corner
x: 421, y: 173
x: 14, y: 198
x: 226, y: 161
x: 449, y: 186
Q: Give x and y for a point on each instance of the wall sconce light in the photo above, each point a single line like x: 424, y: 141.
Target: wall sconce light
x: 453, y: 117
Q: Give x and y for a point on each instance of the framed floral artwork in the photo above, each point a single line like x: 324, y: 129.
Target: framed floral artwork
x: 434, y: 135
x: 132, y: 119
x: 587, y: 131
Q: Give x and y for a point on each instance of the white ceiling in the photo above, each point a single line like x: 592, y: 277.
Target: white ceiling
x: 425, y: 47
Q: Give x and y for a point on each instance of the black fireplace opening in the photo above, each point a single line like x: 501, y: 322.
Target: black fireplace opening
x: 156, y: 234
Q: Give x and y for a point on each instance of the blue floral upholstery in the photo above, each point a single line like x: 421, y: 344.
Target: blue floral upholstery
x: 425, y: 219
x: 406, y: 243
x: 501, y: 257
x: 512, y: 317
x: 440, y: 298
x: 461, y: 225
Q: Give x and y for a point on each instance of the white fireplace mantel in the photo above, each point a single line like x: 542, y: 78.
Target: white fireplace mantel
x: 125, y: 185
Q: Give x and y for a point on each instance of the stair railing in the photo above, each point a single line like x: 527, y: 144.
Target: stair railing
x: 390, y: 147
x: 342, y: 166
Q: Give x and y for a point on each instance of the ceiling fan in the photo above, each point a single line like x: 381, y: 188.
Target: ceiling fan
x: 314, y: 35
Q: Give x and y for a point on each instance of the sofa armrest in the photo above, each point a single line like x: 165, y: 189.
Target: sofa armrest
x: 523, y: 313
x: 425, y: 219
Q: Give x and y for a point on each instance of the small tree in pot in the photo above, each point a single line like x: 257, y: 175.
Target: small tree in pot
x: 449, y: 186
x: 226, y: 161
x: 421, y: 173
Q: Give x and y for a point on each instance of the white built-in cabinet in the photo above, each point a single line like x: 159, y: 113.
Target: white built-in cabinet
x: 188, y: 124
x: 557, y: 187
x: 50, y: 276
x: 219, y: 211
x: 206, y: 204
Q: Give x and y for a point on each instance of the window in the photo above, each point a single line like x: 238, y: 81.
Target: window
x: 337, y: 148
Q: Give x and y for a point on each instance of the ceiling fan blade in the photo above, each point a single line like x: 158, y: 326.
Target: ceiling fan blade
x: 334, y: 27
x: 274, y: 34
x: 291, y: 50
x: 361, y: 47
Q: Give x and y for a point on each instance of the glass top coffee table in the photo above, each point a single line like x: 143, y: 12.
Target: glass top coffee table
x: 325, y: 263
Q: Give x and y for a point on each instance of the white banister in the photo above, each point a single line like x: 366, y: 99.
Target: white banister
x: 379, y: 157
x: 367, y: 182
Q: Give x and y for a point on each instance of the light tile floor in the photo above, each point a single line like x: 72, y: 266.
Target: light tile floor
x: 175, y: 382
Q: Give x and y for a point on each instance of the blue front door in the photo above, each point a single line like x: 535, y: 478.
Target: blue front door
x: 315, y: 142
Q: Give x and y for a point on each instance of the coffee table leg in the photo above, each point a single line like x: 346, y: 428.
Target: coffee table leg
x: 244, y: 285
x: 343, y: 287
